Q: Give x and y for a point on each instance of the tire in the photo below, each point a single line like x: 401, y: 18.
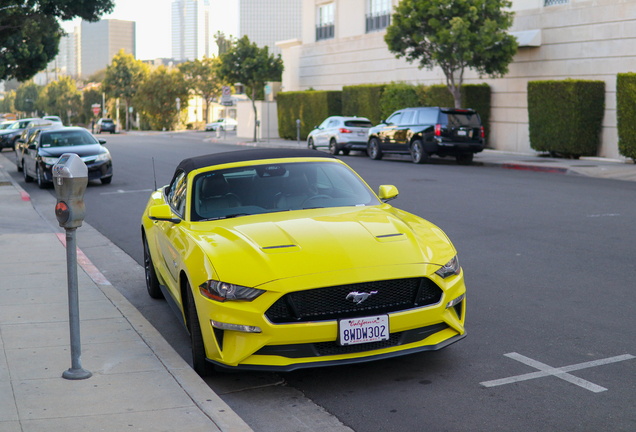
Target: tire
x: 19, y: 167
x: 27, y: 178
x: 373, y: 149
x: 42, y: 184
x: 333, y: 147
x: 199, y: 363
x: 14, y: 145
x: 107, y: 180
x: 418, y: 154
x: 345, y: 152
x: 464, y: 158
x: 152, y: 283
x: 310, y: 144
x: 221, y: 129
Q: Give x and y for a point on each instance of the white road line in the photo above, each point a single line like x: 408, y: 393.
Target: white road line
x: 545, y: 370
x: 123, y: 191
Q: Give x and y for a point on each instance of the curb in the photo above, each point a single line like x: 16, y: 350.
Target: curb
x: 24, y: 194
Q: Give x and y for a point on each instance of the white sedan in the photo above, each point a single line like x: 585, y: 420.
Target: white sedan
x: 222, y: 124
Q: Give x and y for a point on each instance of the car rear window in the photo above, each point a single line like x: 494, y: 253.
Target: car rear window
x: 358, y: 123
x: 460, y: 119
x: 107, y: 121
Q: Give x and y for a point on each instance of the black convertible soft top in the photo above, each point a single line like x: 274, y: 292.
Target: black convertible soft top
x: 194, y: 163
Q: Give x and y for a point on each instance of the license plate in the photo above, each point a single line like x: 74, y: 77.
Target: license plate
x: 461, y: 133
x: 354, y: 331
x: 362, y: 133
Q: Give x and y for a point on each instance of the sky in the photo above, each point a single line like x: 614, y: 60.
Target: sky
x: 153, y: 18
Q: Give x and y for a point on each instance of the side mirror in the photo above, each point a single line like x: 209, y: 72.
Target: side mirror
x: 315, y: 127
x: 162, y: 212
x: 102, y: 142
x: 387, y: 193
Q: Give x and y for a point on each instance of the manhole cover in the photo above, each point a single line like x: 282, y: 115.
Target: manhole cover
x: 3, y: 183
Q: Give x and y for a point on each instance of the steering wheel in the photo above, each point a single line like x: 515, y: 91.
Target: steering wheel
x: 314, y: 198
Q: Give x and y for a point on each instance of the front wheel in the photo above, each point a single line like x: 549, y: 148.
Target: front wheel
x: 310, y: 144
x: 333, y: 147
x: 464, y: 158
x: 373, y: 149
x: 152, y: 282
x: 221, y: 129
x: 199, y: 362
x: 27, y: 177
x: 418, y: 154
x: 40, y: 177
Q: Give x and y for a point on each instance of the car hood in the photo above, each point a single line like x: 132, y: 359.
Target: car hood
x: 253, y: 250
x: 80, y: 150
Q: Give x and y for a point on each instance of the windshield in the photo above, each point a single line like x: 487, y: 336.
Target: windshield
x: 64, y: 138
x: 19, y: 125
x: 276, y: 187
x: 5, y: 125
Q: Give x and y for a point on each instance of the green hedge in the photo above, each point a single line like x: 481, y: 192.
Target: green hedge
x: 566, y: 116
x: 475, y: 96
x: 363, y: 101
x: 626, y: 114
x: 311, y: 107
x: 398, y: 95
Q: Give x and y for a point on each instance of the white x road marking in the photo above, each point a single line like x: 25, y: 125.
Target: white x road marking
x: 545, y: 370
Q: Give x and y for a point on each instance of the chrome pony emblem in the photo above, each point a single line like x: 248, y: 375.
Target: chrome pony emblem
x: 359, y: 297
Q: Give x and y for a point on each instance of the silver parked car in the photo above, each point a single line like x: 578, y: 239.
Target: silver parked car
x: 340, y: 134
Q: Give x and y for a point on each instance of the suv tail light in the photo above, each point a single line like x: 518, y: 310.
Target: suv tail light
x: 483, y: 134
x: 344, y: 130
x: 438, y: 129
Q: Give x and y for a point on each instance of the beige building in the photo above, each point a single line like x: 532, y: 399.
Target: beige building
x: 343, y: 44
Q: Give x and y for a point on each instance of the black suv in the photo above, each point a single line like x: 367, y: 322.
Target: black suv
x: 105, y: 125
x: 421, y: 132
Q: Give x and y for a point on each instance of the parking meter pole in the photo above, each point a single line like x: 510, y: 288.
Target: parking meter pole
x: 225, y: 128
x: 76, y: 372
x: 298, y: 131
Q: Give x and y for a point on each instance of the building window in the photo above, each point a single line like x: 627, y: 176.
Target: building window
x: 379, y: 16
x: 325, y: 28
x: 555, y: 2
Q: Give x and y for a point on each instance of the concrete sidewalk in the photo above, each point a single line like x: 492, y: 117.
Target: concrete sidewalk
x: 586, y: 166
x: 139, y: 382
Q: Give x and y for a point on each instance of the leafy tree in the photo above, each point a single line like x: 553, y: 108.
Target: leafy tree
x: 248, y: 64
x: 123, y: 77
x: 156, y: 97
x: 30, y: 32
x: 223, y: 42
x: 61, y: 97
x: 26, y: 97
x: 201, y: 76
x: 89, y: 97
x: 96, y: 77
x: 6, y: 104
x: 454, y: 35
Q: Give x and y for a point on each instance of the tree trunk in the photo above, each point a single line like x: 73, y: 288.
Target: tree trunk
x: 255, y: 113
x: 454, y: 84
x: 127, y: 115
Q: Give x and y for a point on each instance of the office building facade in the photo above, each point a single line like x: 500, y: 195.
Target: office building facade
x: 190, y: 29
x: 267, y: 22
x: 102, y: 40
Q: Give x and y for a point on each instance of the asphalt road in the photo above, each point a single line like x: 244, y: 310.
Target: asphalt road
x: 550, y: 272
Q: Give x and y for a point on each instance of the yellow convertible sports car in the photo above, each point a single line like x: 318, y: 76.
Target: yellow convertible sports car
x: 278, y: 259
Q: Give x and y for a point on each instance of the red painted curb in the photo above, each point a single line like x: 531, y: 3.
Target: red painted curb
x: 534, y: 168
x: 25, y: 196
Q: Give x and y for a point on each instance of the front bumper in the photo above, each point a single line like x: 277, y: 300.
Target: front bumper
x: 290, y: 346
x: 96, y: 170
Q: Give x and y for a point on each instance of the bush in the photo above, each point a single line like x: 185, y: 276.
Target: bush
x: 566, y: 116
x: 311, y: 107
x: 626, y: 114
x: 363, y: 101
x: 475, y: 96
x: 398, y: 95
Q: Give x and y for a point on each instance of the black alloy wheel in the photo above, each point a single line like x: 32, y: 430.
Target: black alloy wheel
x: 464, y: 158
x: 152, y: 283
x: 418, y: 154
x: 39, y: 176
x: 373, y: 149
x: 199, y: 362
x: 19, y: 165
x: 27, y: 177
x: 310, y: 144
x: 333, y: 147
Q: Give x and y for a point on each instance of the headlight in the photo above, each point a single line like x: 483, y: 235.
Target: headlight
x: 103, y: 157
x: 222, y: 291
x: 49, y: 160
x: 450, y: 268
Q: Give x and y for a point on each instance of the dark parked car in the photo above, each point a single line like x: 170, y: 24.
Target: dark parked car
x: 46, y: 146
x: 9, y: 137
x: 105, y: 125
x: 421, y: 132
x: 22, y: 143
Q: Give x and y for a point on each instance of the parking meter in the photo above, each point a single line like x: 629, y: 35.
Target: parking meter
x: 70, y: 177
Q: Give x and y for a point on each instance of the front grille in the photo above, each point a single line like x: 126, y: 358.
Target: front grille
x: 332, y: 348
x: 330, y: 303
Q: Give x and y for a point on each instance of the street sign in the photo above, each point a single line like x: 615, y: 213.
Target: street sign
x: 226, y: 96
x: 130, y: 109
x: 268, y: 89
x: 96, y: 109
x: 178, y: 104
